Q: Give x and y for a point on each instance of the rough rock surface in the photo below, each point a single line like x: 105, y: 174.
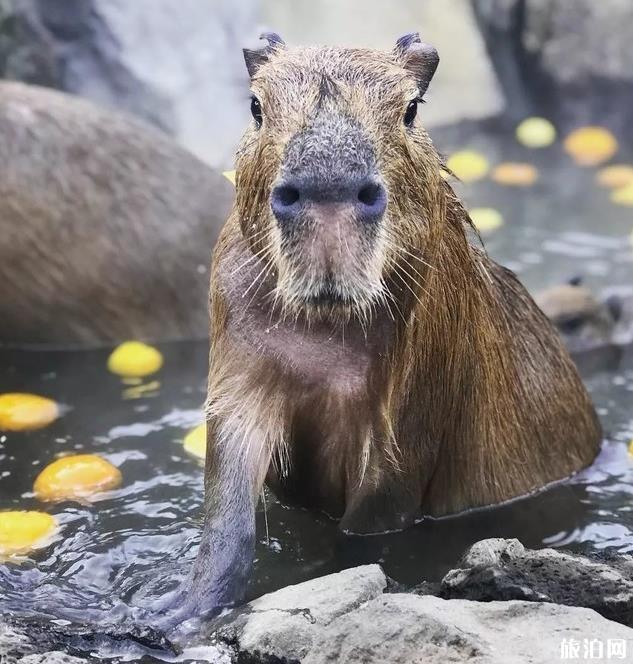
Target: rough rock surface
x: 498, y: 569
x: 570, y: 60
x: 52, y: 657
x: 176, y: 63
x: 108, y: 224
x: 347, y: 617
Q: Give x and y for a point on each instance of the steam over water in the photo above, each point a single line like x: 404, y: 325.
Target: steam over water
x: 125, y: 550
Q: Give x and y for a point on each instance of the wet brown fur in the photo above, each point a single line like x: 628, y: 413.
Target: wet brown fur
x: 106, y: 225
x: 449, y: 390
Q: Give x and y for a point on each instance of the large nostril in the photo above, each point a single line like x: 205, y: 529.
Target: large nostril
x: 373, y: 199
x: 287, y: 195
x: 370, y: 194
x: 285, y: 202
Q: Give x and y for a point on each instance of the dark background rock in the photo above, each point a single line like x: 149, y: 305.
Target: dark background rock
x: 498, y: 569
x: 571, y: 61
x: 176, y: 64
x: 27, y: 50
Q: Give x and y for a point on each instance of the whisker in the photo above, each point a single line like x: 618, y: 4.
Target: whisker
x: 257, y: 254
x: 415, y: 295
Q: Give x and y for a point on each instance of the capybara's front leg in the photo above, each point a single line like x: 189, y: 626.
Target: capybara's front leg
x: 236, y: 465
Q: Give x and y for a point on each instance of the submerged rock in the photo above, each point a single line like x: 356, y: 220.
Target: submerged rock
x: 500, y: 569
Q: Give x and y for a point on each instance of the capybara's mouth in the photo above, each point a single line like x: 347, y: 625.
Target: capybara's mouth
x: 329, y: 297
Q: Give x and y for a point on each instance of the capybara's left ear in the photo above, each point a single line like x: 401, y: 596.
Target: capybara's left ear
x: 254, y: 59
x: 417, y: 57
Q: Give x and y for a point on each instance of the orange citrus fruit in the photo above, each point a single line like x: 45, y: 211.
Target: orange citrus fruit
x: 21, y: 531
x: 23, y: 412
x: 590, y: 146
x: 77, y: 476
x: 515, y: 174
x: 134, y: 359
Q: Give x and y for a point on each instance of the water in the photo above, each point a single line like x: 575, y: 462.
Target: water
x: 123, y: 551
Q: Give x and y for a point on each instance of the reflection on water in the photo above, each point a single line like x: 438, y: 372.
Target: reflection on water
x: 140, y: 541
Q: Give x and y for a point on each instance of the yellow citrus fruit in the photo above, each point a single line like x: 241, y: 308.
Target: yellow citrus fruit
x: 134, y: 359
x: 590, y: 146
x: 623, y: 195
x: 486, y: 219
x: 631, y: 447
x: 468, y: 165
x: 77, y: 476
x: 515, y: 174
x: 195, y: 441
x: 230, y: 176
x: 536, y: 133
x: 23, y: 412
x: 613, y: 177
x: 22, y: 531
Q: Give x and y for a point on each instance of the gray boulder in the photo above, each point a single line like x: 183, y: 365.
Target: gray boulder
x: 348, y: 617
x: 174, y: 63
x: 51, y: 657
x: 429, y: 630
x: 288, y: 623
x: 498, y: 569
x: 107, y: 224
x: 569, y: 60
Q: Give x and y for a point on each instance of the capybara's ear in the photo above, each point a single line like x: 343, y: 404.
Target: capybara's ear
x: 417, y: 57
x: 254, y: 59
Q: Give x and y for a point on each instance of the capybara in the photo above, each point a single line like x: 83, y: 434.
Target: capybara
x: 367, y: 358
x: 584, y: 321
x: 106, y: 225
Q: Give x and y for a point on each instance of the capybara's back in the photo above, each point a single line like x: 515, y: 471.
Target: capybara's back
x: 106, y: 224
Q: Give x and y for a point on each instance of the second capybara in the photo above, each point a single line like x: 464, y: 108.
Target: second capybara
x: 106, y: 225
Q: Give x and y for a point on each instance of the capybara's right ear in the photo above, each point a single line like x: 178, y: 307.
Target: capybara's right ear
x: 417, y: 57
x: 254, y: 59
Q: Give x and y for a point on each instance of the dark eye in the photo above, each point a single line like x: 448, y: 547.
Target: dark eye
x: 571, y: 325
x: 411, y: 112
x: 256, y: 111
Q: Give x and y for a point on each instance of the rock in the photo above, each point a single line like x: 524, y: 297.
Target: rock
x: 13, y: 642
x: 570, y: 61
x: 26, y: 49
x: 347, y: 617
x: 175, y: 63
x: 108, y: 225
x: 498, y: 569
x: 426, y: 630
x: 53, y: 657
x: 286, y: 623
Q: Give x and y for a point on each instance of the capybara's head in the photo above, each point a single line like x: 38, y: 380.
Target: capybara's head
x: 582, y: 319
x: 335, y: 172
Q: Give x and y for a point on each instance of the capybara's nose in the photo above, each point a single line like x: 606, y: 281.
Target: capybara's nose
x: 366, y: 197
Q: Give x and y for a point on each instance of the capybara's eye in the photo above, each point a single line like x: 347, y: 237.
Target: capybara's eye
x: 411, y: 112
x: 256, y: 110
